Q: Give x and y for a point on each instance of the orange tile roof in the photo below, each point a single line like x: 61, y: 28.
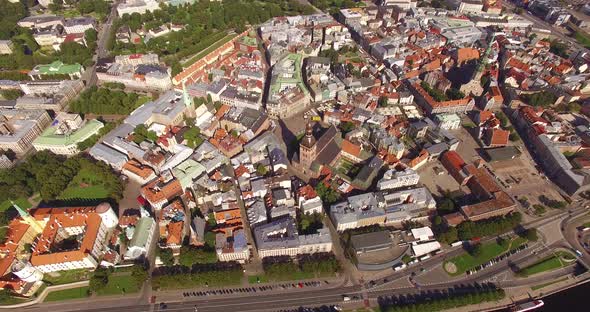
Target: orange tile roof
x: 350, y: 148
x: 156, y: 191
x: 138, y: 169
x: 467, y: 54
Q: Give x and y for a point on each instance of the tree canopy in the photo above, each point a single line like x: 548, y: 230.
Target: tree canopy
x: 106, y: 101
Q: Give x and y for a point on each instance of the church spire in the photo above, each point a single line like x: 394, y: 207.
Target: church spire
x: 188, y: 101
x: 23, y: 213
x: 28, y: 219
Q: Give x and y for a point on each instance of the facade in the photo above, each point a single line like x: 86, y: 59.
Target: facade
x: 137, y: 6
x: 393, y: 179
x: 135, y: 71
x: 448, y: 121
x: 288, y: 94
x: 140, y: 243
x: 79, y: 25
x: 65, y: 132
x: 48, y: 94
x: 235, y: 249
x: 93, y: 223
x: 19, y: 128
x: 280, y: 238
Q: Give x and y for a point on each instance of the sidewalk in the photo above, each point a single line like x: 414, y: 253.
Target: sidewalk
x: 177, y: 294
x: 44, y: 294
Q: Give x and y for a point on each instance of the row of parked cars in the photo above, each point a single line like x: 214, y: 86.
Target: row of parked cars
x: 216, y: 292
x: 497, y: 259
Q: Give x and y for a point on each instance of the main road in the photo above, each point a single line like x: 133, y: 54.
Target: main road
x: 104, y: 31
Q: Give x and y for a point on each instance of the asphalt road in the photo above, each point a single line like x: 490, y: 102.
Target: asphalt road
x: 89, y: 75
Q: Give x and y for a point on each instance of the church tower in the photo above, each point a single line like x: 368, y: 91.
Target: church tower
x: 188, y: 102
x: 307, y: 148
x: 28, y: 219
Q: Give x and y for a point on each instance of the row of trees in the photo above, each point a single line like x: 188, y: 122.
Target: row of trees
x: 444, y: 302
x: 205, y: 23
x: 49, y: 175
x: 99, y: 7
x: 221, y: 273
x: 106, y: 101
x: 543, y: 98
x: 469, y: 229
x: 439, y: 96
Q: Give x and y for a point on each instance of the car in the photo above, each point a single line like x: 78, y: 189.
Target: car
x: 163, y: 306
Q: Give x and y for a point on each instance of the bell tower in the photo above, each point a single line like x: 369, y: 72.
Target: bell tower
x: 307, y: 148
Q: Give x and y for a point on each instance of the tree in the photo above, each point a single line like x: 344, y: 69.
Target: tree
x: 383, y: 101
x: 11, y: 94
x: 166, y: 256
x: 139, y: 274
x: 261, y: 170
x: 99, y: 279
x: 327, y: 194
x: 476, y: 250
x: 531, y: 234
x: 454, y: 94
x: 191, y: 255
x: 193, y: 137
x: 347, y: 126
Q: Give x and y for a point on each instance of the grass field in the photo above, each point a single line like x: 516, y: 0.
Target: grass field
x: 118, y: 285
x: 254, y: 279
x: 537, y: 287
x: 22, y: 202
x: 68, y: 294
x: 489, y: 251
x: 550, y: 263
x: 66, y: 277
x: 208, y: 50
x: 583, y: 38
x: 85, y: 185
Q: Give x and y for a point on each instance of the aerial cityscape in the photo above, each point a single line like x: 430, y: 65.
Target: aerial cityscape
x: 294, y: 155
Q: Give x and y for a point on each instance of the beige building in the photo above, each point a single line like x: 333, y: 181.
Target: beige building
x: 19, y: 128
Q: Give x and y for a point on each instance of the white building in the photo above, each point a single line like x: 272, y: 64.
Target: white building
x: 448, y: 121
x: 78, y: 25
x: 137, y: 6
x: 393, y: 179
x: 235, y: 249
x: 280, y: 238
x: 421, y: 249
x: 470, y: 6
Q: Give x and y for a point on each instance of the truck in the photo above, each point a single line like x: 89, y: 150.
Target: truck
x: 399, y: 267
x: 345, y: 298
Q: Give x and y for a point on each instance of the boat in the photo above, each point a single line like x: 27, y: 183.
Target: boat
x: 528, y: 306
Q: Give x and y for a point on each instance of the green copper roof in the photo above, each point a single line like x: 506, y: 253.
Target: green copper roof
x: 48, y: 137
x: 188, y: 170
x: 58, y: 68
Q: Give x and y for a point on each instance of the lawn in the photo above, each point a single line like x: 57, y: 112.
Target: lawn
x: 68, y: 294
x: 85, y: 185
x: 22, y: 202
x: 66, y: 277
x: 537, y: 287
x: 255, y: 278
x: 208, y: 50
x: 119, y: 284
x: 583, y: 38
x: 550, y: 263
x: 587, y: 224
x: 489, y: 251
x: 212, y: 278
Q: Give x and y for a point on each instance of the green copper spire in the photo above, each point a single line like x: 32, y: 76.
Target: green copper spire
x: 188, y: 101
x: 23, y: 213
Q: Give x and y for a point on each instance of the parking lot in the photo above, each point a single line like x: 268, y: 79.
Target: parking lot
x: 253, y: 289
x: 438, y: 183
x: 521, y: 179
